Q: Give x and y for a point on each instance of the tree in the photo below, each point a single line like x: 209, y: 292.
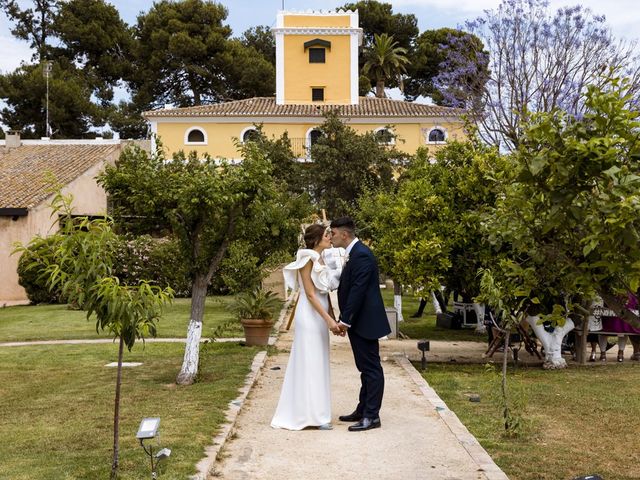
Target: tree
x: 377, y: 18
x: 185, y: 56
x: 539, y: 62
x: 346, y: 164
x: 208, y: 206
x: 246, y: 73
x: 81, y: 265
x: 385, y: 61
x: 71, y: 111
x: 90, y: 57
x: 177, y: 52
x: 448, y: 65
x: 428, y: 233
x: 34, y: 25
x: 97, y: 41
x: 262, y: 40
x: 125, y: 118
x: 568, y: 215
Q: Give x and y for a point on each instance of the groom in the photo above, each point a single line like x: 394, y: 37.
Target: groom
x: 362, y: 315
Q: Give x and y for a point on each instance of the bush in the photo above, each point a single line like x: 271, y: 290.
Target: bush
x: 239, y: 270
x: 31, y: 268
x: 158, y: 261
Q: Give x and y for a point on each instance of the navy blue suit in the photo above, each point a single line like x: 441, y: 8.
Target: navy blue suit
x: 362, y: 308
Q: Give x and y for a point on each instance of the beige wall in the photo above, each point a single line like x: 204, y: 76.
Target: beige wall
x: 300, y: 76
x: 220, y: 136
x: 89, y: 199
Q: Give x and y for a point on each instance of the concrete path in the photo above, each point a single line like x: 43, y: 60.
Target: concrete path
x: 420, y: 437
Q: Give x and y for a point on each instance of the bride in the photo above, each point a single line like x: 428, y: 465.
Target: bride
x: 305, y: 399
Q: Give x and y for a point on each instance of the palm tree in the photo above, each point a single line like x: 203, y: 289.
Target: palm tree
x: 385, y: 60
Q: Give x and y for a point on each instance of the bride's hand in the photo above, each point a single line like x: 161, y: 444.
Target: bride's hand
x: 334, y: 327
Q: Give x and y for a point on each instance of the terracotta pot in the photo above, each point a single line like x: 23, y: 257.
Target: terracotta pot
x: 256, y: 331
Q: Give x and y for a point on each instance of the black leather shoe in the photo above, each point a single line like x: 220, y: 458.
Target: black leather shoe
x: 365, y: 424
x: 352, y: 417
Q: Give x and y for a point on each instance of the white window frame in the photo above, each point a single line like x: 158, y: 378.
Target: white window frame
x: 245, y: 130
x: 307, y: 142
x: 390, y: 130
x: 442, y: 129
x: 191, y: 129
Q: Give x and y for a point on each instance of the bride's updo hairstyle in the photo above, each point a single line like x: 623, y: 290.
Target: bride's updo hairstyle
x: 313, y: 235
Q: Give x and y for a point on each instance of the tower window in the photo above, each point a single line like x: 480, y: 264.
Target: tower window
x: 316, y: 55
x: 317, y: 94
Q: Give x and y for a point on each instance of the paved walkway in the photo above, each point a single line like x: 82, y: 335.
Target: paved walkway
x: 420, y: 437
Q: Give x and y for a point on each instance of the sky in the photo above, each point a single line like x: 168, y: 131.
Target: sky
x: 623, y: 16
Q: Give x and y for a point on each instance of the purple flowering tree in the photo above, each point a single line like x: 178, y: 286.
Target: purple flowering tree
x: 539, y: 61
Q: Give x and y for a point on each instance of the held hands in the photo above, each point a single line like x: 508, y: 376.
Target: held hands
x: 337, y: 329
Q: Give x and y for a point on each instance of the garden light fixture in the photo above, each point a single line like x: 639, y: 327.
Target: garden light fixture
x: 150, y: 428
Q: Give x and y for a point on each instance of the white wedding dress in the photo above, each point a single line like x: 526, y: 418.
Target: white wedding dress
x: 305, y: 399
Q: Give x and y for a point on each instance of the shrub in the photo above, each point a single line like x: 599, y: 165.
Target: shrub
x: 31, y: 269
x: 158, y: 261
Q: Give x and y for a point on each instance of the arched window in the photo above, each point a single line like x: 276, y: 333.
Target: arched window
x: 313, y: 134
x: 385, y: 136
x: 437, y: 135
x: 195, y: 136
x: 249, y: 134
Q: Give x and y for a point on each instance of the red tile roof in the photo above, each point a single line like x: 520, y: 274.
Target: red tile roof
x: 24, y: 169
x: 266, y: 107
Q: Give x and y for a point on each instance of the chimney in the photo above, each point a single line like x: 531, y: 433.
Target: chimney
x: 12, y: 139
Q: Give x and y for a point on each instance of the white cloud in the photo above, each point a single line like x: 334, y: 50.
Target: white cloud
x: 622, y: 16
x: 13, y: 50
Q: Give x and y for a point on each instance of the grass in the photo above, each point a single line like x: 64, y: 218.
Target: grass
x: 578, y: 421
x: 425, y: 327
x: 57, y: 322
x: 57, y: 408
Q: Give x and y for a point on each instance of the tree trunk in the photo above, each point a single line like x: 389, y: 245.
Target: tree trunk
x: 397, y: 299
x: 116, y: 414
x: 443, y: 299
x: 580, y: 343
x: 380, y: 89
x: 189, y: 369
x: 480, y: 326
x: 552, y: 342
x: 436, y: 303
x: 503, y: 383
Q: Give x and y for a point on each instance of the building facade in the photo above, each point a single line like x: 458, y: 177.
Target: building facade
x: 28, y: 171
x: 316, y: 72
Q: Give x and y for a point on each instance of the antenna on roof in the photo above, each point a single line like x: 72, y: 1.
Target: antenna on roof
x: 46, y: 71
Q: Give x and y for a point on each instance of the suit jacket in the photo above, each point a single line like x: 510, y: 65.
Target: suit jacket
x: 359, y: 297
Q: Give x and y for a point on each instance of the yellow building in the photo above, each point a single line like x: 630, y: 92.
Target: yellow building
x: 316, y: 72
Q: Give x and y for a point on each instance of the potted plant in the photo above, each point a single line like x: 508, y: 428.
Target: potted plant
x: 255, y: 309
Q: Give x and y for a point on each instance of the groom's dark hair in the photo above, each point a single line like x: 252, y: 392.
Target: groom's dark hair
x: 346, y: 223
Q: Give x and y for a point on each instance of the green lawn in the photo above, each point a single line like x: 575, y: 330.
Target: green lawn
x: 57, y: 322
x: 425, y: 327
x: 57, y: 408
x: 579, y: 420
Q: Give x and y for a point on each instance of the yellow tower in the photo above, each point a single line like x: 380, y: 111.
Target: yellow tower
x: 317, y: 57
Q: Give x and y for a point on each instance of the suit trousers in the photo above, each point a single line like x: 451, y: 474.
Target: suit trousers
x: 366, y: 353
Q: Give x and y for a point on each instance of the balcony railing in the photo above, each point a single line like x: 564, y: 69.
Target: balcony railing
x: 300, y: 148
